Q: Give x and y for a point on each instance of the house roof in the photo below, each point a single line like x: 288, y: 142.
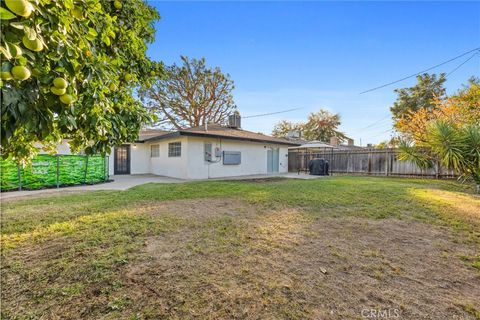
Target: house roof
x: 150, y: 133
x: 324, y: 145
x: 216, y: 131
x: 315, y: 144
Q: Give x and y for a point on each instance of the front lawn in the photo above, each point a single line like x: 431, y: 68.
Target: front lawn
x: 330, y: 248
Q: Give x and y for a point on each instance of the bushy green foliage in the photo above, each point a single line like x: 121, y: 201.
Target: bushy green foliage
x: 41, y: 172
x: 99, y: 48
x: 454, y: 146
x: 420, y: 96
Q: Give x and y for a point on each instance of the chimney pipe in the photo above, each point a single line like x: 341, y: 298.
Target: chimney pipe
x: 334, y: 141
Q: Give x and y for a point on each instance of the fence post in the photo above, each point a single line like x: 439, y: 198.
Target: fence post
x: 331, y: 162
x: 19, y: 175
x: 58, y: 171
x: 387, y: 160
x: 369, y: 157
x: 85, y: 173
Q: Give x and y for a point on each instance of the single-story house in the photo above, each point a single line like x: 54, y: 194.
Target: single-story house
x: 203, y: 152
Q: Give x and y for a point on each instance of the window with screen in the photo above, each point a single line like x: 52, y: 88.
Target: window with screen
x: 155, y: 151
x: 175, y: 149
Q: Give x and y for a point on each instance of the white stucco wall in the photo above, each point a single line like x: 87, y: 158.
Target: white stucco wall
x: 164, y: 165
x: 62, y: 148
x: 253, y: 158
x: 192, y: 165
x: 139, y: 159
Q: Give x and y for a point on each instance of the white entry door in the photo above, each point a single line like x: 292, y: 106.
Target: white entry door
x: 273, y: 160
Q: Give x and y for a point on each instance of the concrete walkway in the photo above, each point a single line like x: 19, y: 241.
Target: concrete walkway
x: 125, y: 182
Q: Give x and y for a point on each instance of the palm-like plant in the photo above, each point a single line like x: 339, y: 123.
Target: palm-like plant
x: 452, y: 145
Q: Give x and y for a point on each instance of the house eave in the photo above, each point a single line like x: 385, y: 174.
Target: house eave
x: 216, y: 136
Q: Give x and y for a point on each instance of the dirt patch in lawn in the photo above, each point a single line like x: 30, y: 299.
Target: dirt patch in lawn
x: 231, y: 260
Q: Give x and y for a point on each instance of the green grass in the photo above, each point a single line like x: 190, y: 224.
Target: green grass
x: 90, y: 236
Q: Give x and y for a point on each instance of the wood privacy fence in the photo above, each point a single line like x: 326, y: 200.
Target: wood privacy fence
x: 365, y: 161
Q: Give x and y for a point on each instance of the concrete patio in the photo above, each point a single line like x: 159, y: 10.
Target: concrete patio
x: 125, y: 182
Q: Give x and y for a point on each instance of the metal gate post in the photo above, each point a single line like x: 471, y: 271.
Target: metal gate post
x: 86, y: 168
x: 387, y: 156
x: 58, y: 171
x: 19, y: 175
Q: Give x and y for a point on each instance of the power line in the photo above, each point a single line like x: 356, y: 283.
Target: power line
x: 461, y: 64
x: 375, y: 123
x: 268, y: 114
x: 416, y: 74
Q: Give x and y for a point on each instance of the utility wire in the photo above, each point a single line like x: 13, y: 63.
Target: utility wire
x: 461, y: 64
x: 375, y: 123
x: 416, y: 74
x: 268, y: 114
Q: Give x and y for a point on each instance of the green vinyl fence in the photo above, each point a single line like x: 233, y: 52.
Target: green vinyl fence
x: 48, y: 171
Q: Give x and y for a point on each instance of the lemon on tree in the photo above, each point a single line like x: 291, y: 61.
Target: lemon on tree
x: 34, y: 45
x: 6, y: 75
x: 67, y: 98
x: 19, y: 7
x: 60, y: 83
x: 57, y: 91
x: 21, y: 73
x: 117, y: 4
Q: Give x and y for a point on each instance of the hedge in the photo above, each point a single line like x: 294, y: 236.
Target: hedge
x: 48, y: 171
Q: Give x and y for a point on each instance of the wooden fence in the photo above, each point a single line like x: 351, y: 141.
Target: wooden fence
x: 365, y: 161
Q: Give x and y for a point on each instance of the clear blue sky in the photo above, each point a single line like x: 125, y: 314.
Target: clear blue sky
x: 314, y: 55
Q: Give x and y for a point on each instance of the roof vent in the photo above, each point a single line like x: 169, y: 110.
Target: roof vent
x: 234, y: 120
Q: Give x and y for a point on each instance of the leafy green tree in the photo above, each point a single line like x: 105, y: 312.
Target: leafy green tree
x: 420, y: 96
x: 69, y: 71
x: 450, y: 144
x: 282, y: 128
x: 191, y: 94
x: 323, y: 125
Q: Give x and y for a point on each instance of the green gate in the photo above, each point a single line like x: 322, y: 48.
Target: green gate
x: 48, y: 171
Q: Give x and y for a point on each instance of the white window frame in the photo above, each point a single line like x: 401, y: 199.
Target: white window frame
x: 155, y: 151
x: 175, y: 149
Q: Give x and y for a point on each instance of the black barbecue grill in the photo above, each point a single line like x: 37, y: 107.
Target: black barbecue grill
x: 318, y: 167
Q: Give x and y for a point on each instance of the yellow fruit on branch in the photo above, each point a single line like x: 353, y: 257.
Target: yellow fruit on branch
x: 20, y: 7
x: 6, y: 75
x: 57, y: 91
x: 67, y: 99
x: 77, y: 13
x: 60, y: 83
x: 117, y: 4
x: 112, y: 87
x: 128, y: 77
x: 21, y: 73
x: 34, y: 45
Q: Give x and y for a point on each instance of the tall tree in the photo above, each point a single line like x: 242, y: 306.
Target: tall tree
x: 323, y: 125
x: 462, y: 108
x: 190, y: 95
x: 420, y: 96
x: 69, y: 70
x: 282, y: 128
x: 449, y: 134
